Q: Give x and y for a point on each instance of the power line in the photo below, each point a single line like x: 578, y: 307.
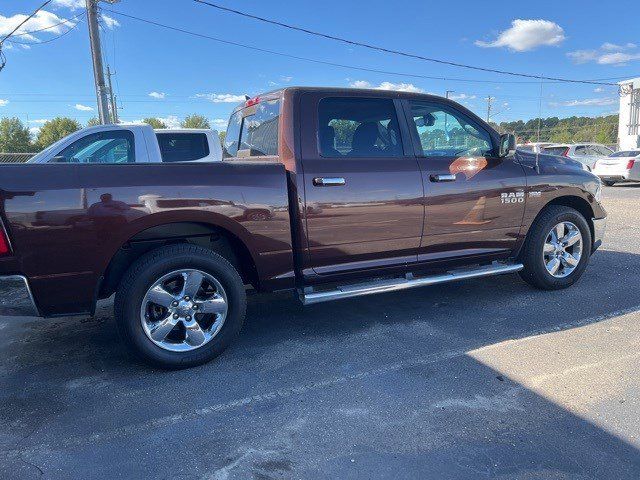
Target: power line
x: 49, y: 40
x: 396, y: 52
x: 25, y: 20
x: 321, y: 62
x: 63, y: 22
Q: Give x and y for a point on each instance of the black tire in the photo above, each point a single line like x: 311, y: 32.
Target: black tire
x: 535, y: 272
x: 151, y: 267
x: 608, y: 183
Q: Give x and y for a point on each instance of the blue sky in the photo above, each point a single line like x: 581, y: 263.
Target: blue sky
x: 168, y: 74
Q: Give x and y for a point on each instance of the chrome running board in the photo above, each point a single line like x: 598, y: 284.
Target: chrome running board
x: 310, y: 295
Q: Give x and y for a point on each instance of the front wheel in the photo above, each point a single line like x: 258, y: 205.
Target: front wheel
x: 179, y: 306
x: 557, y: 249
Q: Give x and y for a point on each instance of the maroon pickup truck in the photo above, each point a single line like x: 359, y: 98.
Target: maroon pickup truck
x: 331, y: 193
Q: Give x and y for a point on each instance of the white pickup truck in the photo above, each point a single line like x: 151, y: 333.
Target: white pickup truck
x: 127, y: 143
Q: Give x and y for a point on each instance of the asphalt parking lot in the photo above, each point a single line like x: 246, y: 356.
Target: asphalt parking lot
x: 478, y: 379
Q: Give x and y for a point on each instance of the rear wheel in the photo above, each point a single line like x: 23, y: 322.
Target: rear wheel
x: 180, y: 306
x: 557, y: 249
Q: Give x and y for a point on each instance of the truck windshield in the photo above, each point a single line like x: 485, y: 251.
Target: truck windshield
x: 253, y: 131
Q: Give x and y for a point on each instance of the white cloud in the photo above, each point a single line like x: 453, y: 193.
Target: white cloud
x: 42, y: 19
x: 34, y: 131
x: 221, y: 97
x: 598, y: 90
x: 3, y: 102
x: 586, y: 102
x: 607, y: 54
x: 612, y: 47
x: 171, y: 121
x: 82, y: 108
x: 158, y: 95
x: 72, y: 4
x: 462, y: 96
x: 109, y: 22
x: 219, y: 123
x: 39, y: 121
x: 400, y: 87
x: 286, y: 78
x: 526, y: 35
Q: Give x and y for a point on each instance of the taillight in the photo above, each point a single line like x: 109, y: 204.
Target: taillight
x: 630, y: 164
x: 4, y: 242
x: 565, y: 153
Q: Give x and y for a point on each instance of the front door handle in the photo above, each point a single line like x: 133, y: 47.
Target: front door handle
x: 328, y: 181
x: 447, y: 177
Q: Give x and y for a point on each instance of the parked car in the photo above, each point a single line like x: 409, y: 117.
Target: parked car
x: 361, y: 192
x: 533, y: 147
x: 109, y: 144
x: 619, y: 167
x: 585, y: 153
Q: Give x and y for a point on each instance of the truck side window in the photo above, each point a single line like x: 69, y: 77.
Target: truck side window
x: 232, y: 137
x: 443, y: 132
x: 115, y: 146
x: 358, y: 127
x: 259, y: 136
x: 183, y: 147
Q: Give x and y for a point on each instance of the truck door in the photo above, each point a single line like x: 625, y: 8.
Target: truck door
x: 474, y: 200
x: 363, y: 196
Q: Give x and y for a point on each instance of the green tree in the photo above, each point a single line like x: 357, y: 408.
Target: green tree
x: 55, y: 129
x: 156, y: 123
x: 195, y: 121
x: 14, y: 136
x: 222, y: 136
x: 93, y: 122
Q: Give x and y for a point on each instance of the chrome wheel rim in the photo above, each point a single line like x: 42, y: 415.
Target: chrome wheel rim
x: 562, y: 249
x: 184, y: 310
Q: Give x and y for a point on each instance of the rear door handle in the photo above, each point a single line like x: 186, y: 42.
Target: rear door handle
x: 328, y: 181
x: 447, y: 177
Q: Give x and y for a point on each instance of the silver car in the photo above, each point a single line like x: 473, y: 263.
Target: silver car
x: 586, y: 153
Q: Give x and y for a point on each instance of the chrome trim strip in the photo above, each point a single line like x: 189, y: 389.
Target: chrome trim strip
x: 392, y: 285
x: 599, y: 228
x: 16, y: 299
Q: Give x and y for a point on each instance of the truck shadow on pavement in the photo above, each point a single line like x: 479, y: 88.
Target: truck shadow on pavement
x: 384, y: 386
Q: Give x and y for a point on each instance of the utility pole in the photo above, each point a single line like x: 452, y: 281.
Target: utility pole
x: 489, y: 100
x: 96, y: 54
x: 114, y: 105
x: 446, y: 94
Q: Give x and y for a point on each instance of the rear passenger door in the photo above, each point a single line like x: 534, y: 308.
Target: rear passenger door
x: 474, y: 200
x: 363, y: 193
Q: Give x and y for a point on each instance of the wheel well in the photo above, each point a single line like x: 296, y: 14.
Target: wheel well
x: 579, y: 204
x: 205, y: 235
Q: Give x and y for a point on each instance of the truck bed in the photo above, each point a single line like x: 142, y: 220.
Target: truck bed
x: 66, y: 222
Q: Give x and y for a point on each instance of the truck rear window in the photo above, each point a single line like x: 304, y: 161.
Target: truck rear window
x: 253, y: 131
x: 183, y: 147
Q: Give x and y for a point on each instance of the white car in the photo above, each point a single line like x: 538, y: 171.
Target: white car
x: 586, y: 153
x: 534, y: 147
x: 137, y: 143
x: 623, y: 166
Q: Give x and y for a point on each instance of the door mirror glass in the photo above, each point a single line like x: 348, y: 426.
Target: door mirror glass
x: 507, y: 144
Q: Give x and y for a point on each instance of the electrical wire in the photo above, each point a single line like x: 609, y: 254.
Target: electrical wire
x: 26, y: 20
x: 49, y: 40
x: 323, y: 62
x: 63, y: 22
x: 396, y: 52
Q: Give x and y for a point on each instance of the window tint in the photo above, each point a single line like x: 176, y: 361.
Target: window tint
x: 628, y: 153
x: 555, y: 150
x: 259, y: 135
x: 232, y: 137
x: 526, y: 148
x: 581, y: 150
x: 116, y: 146
x: 183, y: 147
x: 445, y: 132
x: 358, y: 127
x: 601, y: 150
